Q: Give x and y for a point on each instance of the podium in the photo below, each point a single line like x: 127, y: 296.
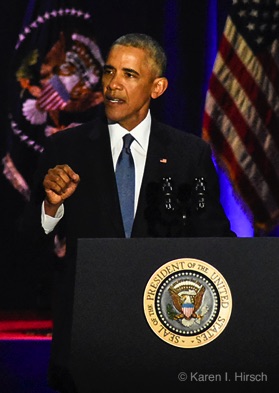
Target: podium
x: 114, y: 346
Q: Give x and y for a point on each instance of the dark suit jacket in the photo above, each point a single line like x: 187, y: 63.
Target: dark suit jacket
x: 94, y: 211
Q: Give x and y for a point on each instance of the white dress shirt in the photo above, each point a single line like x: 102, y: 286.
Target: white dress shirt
x: 139, y: 147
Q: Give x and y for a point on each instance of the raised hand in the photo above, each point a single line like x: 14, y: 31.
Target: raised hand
x: 59, y: 183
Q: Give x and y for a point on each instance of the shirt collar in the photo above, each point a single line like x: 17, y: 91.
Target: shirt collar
x: 141, y: 133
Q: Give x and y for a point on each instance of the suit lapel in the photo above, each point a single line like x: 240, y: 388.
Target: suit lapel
x: 156, y: 167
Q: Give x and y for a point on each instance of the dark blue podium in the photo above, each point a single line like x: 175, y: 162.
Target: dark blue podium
x: 113, y: 345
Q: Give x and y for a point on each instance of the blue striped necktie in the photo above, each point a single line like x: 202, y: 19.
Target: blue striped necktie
x: 125, y: 178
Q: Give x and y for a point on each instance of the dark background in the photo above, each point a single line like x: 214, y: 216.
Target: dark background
x: 183, y: 28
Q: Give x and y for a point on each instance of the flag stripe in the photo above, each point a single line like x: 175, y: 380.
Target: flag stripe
x: 270, y: 65
x: 50, y: 99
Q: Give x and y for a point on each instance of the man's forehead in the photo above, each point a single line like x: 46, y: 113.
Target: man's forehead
x: 128, y: 51
x: 127, y: 57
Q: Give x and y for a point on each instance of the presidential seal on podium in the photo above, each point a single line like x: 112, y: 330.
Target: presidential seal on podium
x: 187, y: 303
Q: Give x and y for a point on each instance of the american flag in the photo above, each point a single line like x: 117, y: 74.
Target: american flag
x: 241, y: 116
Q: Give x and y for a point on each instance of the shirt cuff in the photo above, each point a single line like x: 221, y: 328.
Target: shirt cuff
x: 48, y: 222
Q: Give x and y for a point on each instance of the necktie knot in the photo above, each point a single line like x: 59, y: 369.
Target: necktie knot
x: 127, y: 141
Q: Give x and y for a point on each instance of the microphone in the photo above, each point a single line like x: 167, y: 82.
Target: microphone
x: 167, y: 189
x: 181, y: 202
x: 199, y: 193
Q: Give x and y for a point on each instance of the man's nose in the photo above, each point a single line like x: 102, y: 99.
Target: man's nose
x: 114, y: 82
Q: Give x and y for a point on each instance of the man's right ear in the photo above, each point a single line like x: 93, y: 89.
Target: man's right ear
x: 159, y: 87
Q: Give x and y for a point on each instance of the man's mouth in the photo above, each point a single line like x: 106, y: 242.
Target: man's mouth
x: 114, y: 100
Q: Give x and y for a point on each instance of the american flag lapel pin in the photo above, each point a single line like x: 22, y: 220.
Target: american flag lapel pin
x: 163, y: 160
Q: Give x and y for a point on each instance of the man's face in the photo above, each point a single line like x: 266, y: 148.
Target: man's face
x: 128, y: 83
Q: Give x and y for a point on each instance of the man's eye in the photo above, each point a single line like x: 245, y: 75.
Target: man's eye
x: 130, y: 75
x: 107, y: 71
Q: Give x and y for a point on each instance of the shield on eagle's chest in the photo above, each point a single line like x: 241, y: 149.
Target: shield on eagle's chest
x: 187, y: 309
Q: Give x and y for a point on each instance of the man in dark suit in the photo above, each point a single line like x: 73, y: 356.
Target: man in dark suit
x: 75, y: 188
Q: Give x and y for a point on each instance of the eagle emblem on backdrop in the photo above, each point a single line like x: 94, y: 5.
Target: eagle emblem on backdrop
x: 55, y: 84
x: 56, y: 73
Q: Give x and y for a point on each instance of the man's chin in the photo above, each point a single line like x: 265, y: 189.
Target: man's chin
x: 111, y: 116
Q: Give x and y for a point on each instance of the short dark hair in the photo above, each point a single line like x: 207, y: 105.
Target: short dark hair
x: 150, y: 45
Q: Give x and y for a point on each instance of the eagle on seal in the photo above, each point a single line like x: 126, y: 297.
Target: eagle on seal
x: 187, y: 298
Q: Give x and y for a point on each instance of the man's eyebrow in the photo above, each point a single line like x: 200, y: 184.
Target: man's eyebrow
x: 108, y: 67
x: 131, y: 71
